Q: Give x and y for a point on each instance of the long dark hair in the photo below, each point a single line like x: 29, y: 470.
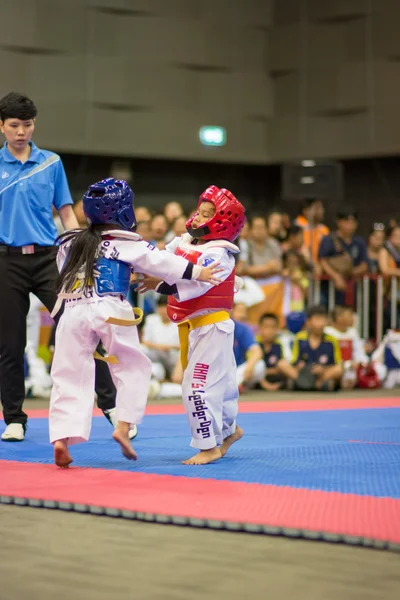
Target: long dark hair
x: 82, y: 253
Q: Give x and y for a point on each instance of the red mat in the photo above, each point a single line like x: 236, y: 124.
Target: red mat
x: 203, y: 502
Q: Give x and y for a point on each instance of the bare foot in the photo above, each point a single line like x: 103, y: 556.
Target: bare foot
x: 62, y: 457
x: 123, y: 440
x: 204, y: 457
x: 231, y: 439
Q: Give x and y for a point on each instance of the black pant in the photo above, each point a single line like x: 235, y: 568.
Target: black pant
x: 21, y: 274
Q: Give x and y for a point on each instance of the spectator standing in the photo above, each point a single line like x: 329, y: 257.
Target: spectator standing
x: 389, y: 264
x: 343, y: 255
x: 376, y: 240
x: 310, y: 220
x: 264, y: 264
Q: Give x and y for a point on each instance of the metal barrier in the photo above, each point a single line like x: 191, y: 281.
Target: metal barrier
x: 376, y: 311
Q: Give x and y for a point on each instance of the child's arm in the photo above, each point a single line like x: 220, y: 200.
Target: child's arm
x: 145, y: 258
x: 187, y: 290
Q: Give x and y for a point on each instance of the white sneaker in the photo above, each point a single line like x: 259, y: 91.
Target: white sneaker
x: 111, y: 415
x: 14, y: 432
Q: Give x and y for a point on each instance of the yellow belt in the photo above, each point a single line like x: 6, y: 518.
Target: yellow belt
x: 186, y: 326
x: 138, y: 313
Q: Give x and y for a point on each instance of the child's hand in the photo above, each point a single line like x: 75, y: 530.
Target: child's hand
x: 148, y: 283
x: 208, y: 273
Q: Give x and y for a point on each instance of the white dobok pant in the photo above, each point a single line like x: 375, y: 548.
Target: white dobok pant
x: 209, y: 388
x: 81, y: 327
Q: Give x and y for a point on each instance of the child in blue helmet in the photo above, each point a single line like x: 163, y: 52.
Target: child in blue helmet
x: 95, y: 266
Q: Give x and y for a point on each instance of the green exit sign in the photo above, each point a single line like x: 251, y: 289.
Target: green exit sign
x: 212, y: 136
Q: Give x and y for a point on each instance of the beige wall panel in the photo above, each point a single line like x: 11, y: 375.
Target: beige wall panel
x: 131, y: 83
x: 253, y: 141
x: 332, y: 44
x: 385, y: 35
x: 16, y: 75
x: 341, y: 89
x: 387, y: 130
x: 62, y: 25
x: 338, y: 136
x: 169, y: 8
x: 149, y: 40
x: 287, y: 94
x: 328, y: 10
x: 242, y: 12
x: 18, y: 24
x: 248, y: 48
x: 283, y: 138
x: 287, y: 12
x: 284, y: 48
x: 386, y: 84
x: 61, y: 126
x: 57, y: 78
x: 255, y: 94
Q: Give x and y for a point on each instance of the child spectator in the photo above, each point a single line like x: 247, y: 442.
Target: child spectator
x: 296, y: 279
x: 160, y: 340
x: 248, y: 354
x: 277, y: 364
x: 316, y: 355
x: 351, y: 345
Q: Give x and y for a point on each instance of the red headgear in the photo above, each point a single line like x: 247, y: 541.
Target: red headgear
x: 227, y: 221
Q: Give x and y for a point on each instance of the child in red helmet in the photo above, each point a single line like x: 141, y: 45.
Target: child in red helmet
x: 210, y: 392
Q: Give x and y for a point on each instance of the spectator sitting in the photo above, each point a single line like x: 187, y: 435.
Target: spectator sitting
x: 343, y: 254
x: 277, y: 365
x: 296, y: 276
x: 248, y: 354
x: 376, y: 240
x: 316, y: 355
x: 310, y: 220
x: 351, y: 345
x: 159, y: 229
x: 160, y: 340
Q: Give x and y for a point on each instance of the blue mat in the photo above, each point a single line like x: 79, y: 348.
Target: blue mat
x: 313, y: 450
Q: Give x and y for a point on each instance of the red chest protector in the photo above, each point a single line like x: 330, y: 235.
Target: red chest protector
x: 219, y: 297
x: 346, y: 348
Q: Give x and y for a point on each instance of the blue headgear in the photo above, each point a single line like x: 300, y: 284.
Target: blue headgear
x: 110, y: 202
x: 295, y: 321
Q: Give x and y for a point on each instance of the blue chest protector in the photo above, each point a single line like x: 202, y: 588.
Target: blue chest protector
x: 113, y: 278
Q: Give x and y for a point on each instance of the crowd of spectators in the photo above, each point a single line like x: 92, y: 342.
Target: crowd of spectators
x: 282, y: 340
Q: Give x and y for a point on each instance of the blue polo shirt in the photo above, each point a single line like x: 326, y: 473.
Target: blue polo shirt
x: 357, y: 249
x: 327, y: 353
x: 274, y: 354
x: 243, y: 340
x: 27, y: 194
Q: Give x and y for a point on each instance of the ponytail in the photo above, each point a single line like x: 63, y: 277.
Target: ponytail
x: 82, y: 253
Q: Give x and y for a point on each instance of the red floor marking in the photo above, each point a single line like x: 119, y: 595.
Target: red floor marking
x: 348, y: 514
x: 379, y: 443
x: 262, y: 407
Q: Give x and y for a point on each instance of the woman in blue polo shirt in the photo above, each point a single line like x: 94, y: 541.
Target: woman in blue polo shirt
x: 32, y: 181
